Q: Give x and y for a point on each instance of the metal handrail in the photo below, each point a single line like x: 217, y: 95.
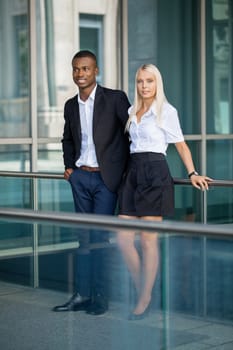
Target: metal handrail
x: 34, y: 175
x: 113, y: 222
x: 37, y: 175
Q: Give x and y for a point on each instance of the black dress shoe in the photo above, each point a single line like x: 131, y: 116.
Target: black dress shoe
x: 76, y: 303
x: 98, y: 306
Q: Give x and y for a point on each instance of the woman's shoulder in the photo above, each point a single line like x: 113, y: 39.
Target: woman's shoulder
x: 169, y: 115
x: 168, y: 108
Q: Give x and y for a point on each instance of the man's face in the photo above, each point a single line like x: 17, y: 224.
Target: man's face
x: 84, y: 72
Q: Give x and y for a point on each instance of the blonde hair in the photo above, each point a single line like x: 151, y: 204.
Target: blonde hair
x: 160, y: 97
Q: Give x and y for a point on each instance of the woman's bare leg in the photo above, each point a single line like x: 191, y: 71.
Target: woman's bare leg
x: 150, y: 262
x: 125, y: 241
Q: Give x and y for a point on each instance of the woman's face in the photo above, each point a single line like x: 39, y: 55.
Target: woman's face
x: 146, y: 85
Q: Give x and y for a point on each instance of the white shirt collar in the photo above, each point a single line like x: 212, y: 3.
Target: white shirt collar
x: 152, y: 109
x: 91, y: 96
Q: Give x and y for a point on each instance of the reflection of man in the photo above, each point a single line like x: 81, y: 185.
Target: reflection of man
x: 95, y: 151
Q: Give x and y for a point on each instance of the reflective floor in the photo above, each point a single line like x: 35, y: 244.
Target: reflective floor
x: 27, y: 322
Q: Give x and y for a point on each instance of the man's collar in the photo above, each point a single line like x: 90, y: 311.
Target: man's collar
x: 91, y: 96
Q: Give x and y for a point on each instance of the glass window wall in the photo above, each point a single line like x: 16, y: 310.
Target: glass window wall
x: 14, y: 69
x: 220, y: 159
x: 219, y: 67
x: 54, y: 195
x: 220, y: 166
x: 91, y: 37
x: 15, y: 157
x: 55, y: 42
x: 50, y: 158
x: 17, y: 193
x: 188, y: 201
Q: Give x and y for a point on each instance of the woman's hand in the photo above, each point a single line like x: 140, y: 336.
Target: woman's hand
x: 200, y: 182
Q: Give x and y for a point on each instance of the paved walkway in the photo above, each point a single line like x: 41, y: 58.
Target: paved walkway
x: 27, y: 323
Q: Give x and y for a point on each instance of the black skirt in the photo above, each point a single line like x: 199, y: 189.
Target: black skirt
x: 147, y: 188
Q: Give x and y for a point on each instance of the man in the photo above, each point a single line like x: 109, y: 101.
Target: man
x: 95, y: 151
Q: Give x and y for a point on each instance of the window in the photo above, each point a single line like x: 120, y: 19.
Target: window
x: 219, y: 77
x: 91, y: 38
x: 21, y: 55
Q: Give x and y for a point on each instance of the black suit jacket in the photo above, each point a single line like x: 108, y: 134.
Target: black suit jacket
x: 111, y: 143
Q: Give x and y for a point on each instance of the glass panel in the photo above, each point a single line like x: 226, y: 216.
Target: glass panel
x: 50, y: 121
x: 219, y: 267
x: 188, y: 200
x: 219, y: 70
x: 55, y: 43
x: 55, y: 195
x: 52, y: 194
x: 91, y: 38
x: 16, y: 251
x: 176, y: 165
x: 220, y: 166
x: 15, y: 158
x: 162, y: 27
x: 191, y: 297
x: 220, y: 205
x: 210, y: 263
x: 16, y: 192
x: 58, y: 245
x: 188, y: 204
x: 14, y: 69
x: 50, y: 158
x: 220, y: 159
x: 178, y: 27
x: 186, y: 274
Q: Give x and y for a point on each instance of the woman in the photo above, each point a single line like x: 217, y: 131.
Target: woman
x: 147, y: 191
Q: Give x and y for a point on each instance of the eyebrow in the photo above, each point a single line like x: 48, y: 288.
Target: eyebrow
x: 82, y: 67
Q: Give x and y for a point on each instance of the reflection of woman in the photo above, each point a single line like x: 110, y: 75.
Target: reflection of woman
x: 147, y: 190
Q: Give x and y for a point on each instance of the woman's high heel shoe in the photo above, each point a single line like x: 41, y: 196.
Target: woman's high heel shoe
x: 137, y: 317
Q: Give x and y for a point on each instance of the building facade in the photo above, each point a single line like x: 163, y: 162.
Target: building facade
x: 189, y: 40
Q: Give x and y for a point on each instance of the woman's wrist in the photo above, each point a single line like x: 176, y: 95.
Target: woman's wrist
x: 194, y: 172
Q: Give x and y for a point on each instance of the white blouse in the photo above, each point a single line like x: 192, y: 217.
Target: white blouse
x: 151, y: 135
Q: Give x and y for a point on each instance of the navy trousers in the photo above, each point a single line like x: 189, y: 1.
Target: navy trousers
x: 91, y: 196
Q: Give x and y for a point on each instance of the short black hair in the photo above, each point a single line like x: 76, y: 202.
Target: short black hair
x: 85, y: 53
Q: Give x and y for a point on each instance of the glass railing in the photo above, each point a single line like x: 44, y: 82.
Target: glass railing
x: 192, y: 304
x: 191, y: 307
x: 51, y: 192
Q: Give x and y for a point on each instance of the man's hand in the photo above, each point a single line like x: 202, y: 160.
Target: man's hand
x: 67, y: 173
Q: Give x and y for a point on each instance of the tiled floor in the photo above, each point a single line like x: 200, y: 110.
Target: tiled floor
x: 27, y: 323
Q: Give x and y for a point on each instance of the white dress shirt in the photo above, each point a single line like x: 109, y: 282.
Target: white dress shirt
x: 151, y: 135
x: 88, y: 154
